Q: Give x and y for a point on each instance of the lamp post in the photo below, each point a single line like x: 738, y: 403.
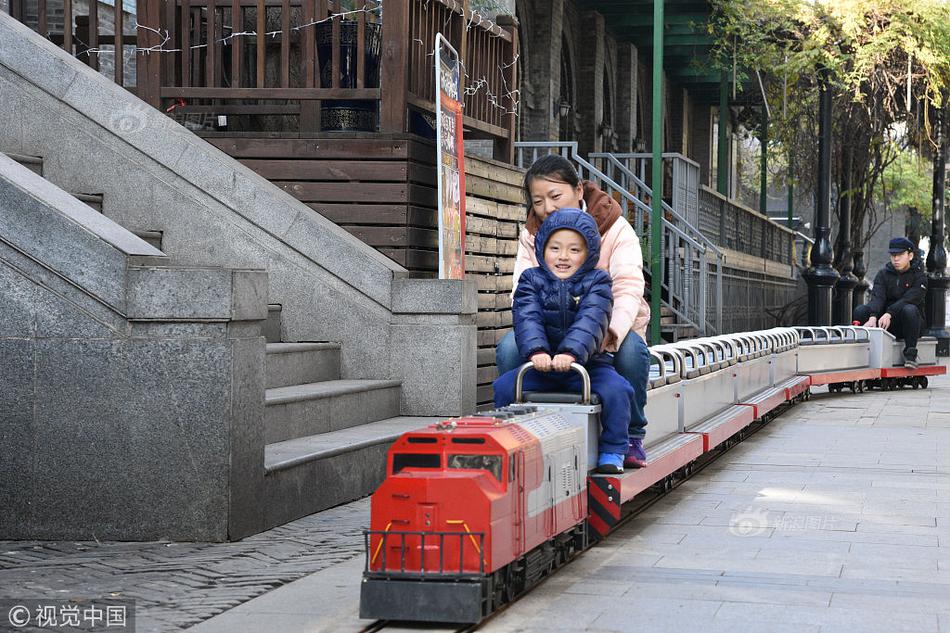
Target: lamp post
x: 937, y: 280
x: 820, y: 276
x: 844, y: 288
x: 860, y: 289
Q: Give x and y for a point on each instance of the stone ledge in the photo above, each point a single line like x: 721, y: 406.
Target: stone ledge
x: 434, y: 296
x: 290, y: 453
x: 325, y: 389
x: 196, y: 293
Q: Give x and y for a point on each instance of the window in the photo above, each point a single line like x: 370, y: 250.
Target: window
x: 491, y: 463
x: 416, y: 460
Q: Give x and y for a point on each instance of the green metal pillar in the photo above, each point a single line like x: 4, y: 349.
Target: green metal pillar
x: 722, y: 145
x: 764, y: 167
x: 656, y: 201
x: 791, y: 190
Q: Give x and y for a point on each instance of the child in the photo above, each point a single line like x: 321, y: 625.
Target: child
x: 551, y: 184
x: 561, y: 311
x: 897, y: 298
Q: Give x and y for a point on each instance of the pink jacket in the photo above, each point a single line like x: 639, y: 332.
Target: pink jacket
x: 620, y: 255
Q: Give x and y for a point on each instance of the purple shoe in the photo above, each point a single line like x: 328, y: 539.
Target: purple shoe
x: 636, y: 457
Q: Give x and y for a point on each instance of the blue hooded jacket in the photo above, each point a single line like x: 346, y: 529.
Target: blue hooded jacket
x: 564, y: 316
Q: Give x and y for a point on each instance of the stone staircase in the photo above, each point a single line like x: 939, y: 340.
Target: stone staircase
x: 320, y: 428
x: 355, y: 348
x: 317, y: 427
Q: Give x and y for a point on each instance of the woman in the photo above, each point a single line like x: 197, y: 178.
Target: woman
x: 551, y: 184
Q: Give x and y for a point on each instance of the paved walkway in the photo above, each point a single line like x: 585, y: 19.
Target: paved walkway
x: 834, y: 517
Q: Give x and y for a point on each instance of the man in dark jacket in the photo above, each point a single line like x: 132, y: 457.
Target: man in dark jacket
x: 561, y: 310
x: 897, y: 298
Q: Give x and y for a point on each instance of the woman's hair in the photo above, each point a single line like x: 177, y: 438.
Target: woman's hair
x: 553, y: 167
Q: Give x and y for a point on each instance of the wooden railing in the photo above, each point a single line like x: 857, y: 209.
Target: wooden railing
x: 294, y: 57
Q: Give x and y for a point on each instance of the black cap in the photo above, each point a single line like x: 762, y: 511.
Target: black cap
x: 899, y: 245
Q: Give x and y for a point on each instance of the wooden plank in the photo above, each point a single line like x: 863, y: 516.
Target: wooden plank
x: 185, y: 43
x: 423, y: 196
x: 361, y: 50
x: 237, y: 26
x: 494, y: 170
x: 377, y: 214
x: 486, y: 375
x: 484, y: 395
x: 480, y: 244
x: 335, y: 45
x: 475, y: 225
x: 93, y: 33
x: 421, y: 173
x: 340, y: 149
x: 413, y: 259
x: 119, y: 44
x: 493, y: 190
x: 367, y: 94
x: 240, y: 109
x: 395, y: 236
x: 382, y: 214
x: 329, y: 170
x: 261, y: 41
x: 42, y: 25
x: 422, y: 151
x: 379, y: 236
x: 485, y: 356
x: 211, y: 49
x: 310, y: 110
x: 394, y: 67
x: 68, y: 26
x: 285, y: 44
x: 346, y: 192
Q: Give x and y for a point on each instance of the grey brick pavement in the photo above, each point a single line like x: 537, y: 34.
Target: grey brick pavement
x: 176, y: 585
x: 835, y: 517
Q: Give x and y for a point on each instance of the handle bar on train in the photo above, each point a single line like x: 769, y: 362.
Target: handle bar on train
x: 585, y: 379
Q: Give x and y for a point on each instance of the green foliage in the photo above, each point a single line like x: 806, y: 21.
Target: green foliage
x: 908, y: 182
x: 873, y: 52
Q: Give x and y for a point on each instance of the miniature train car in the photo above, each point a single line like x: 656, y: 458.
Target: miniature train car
x: 474, y: 511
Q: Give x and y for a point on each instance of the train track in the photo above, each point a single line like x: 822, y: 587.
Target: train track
x: 653, y: 497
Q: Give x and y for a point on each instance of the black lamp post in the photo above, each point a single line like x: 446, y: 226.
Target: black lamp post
x: 860, y: 289
x: 821, y: 276
x: 937, y: 280
x: 844, y: 288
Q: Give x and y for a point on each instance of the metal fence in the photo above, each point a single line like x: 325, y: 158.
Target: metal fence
x: 741, y: 229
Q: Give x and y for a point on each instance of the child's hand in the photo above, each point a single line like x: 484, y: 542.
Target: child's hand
x: 562, y: 362
x: 542, y: 361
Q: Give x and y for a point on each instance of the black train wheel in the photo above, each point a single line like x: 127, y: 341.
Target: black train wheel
x: 923, y: 382
x: 861, y: 386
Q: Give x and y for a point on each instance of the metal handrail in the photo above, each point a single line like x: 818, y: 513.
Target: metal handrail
x: 676, y: 276
x: 615, y: 159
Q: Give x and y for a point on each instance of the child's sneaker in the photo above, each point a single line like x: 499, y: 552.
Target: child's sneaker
x: 636, y: 457
x: 910, y: 358
x: 610, y: 463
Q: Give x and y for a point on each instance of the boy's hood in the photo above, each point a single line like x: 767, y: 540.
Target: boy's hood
x: 577, y: 221
x: 915, y: 264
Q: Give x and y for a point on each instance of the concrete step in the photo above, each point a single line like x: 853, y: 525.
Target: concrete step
x: 152, y: 237
x: 94, y: 200
x: 322, y: 407
x: 309, y: 474
x: 301, y: 363
x: 33, y: 163
x: 272, y: 327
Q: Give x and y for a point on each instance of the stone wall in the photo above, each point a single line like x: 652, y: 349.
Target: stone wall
x: 132, y: 399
